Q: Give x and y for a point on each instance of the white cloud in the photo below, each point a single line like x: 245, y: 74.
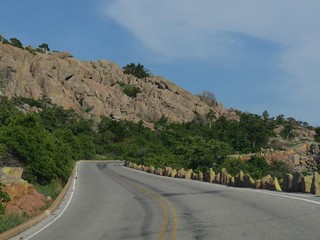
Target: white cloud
x: 176, y: 29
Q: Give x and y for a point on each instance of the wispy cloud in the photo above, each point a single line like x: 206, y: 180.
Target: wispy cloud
x: 209, y: 29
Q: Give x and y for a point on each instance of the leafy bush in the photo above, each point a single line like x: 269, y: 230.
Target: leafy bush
x: 129, y: 89
x: 52, y: 189
x: 31, y: 50
x: 4, y: 198
x: 16, y: 42
x: 10, y: 221
x: 234, y: 165
x: 46, y: 157
x: 136, y: 70
x: 279, y: 168
x: 257, y: 167
x: 202, y: 154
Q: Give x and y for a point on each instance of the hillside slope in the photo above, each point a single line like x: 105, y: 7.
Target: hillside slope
x: 92, y: 88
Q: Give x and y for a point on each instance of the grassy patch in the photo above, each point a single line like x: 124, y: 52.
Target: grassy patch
x: 8, y: 222
x: 53, y: 189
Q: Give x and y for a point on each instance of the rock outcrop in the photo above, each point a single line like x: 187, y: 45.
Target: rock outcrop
x: 23, y: 196
x: 93, y: 88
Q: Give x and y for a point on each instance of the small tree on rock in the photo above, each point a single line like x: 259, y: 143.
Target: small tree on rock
x: 136, y: 70
x: 16, y: 42
x: 44, y: 47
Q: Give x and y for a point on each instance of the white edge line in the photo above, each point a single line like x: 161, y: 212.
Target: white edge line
x: 65, y: 208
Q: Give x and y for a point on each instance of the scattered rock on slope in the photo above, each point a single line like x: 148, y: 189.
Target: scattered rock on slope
x: 92, y: 88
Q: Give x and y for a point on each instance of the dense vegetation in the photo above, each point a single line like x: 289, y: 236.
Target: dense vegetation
x: 47, y: 143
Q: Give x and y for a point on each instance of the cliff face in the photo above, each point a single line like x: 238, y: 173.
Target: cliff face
x: 92, y: 88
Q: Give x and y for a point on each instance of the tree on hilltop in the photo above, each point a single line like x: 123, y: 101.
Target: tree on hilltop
x: 44, y: 47
x: 136, y: 70
x: 16, y: 42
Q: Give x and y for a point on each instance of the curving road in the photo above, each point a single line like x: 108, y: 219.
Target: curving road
x: 113, y: 202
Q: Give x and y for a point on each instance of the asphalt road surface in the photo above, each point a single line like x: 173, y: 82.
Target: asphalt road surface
x: 110, y: 201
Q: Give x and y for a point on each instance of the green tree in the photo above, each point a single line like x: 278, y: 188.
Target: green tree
x: 16, y: 42
x: 46, y: 158
x: 44, y: 47
x: 265, y: 115
x: 136, y: 70
x: 202, y: 154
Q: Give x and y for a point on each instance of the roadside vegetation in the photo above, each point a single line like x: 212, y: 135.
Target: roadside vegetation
x: 48, y: 142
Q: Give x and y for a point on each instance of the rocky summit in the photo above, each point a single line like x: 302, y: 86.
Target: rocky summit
x: 93, y: 89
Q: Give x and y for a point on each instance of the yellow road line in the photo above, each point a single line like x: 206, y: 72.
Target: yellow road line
x: 164, y: 204
x: 165, y: 222
x: 173, y: 232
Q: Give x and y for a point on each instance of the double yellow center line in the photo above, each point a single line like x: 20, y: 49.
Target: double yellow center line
x: 168, y: 227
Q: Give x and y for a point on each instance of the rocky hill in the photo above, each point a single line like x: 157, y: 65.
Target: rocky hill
x: 94, y: 88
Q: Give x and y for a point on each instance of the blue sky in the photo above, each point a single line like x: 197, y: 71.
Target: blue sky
x: 253, y: 55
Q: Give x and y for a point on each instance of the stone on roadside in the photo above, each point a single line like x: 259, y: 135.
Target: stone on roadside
x: 239, y: 179
x: 173, y: 173
x: 315, y: 185
x: 167, y: 171
x: 231, y: 181
x: 200, y: 176
x: 194, y: 176
x: 188, y: 174
x: 306, y: 184
x: 287, y: 182
x: 217, y: 178
x: 181, y: 173
x: 297, y: 182
x: 266, y: 182
x: 224, y: 179
x: 258, y: 184
x: 276, y: 184
x: 211, y: 175
x: 248, y: 181
x: 152, y: 170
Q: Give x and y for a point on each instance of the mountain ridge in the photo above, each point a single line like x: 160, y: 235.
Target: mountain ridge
x: 92, y: 88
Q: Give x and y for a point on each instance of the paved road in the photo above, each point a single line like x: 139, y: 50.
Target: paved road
x: 113, y: 202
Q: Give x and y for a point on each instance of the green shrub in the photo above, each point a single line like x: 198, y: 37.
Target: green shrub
x: 258, y: 167
x: 2, y: 208
x: 234, y: 166
x: 46, y: 157
x: 10, y: 221
x: 52, y: 189
x: 31, y: 50
x: 16, y: 42
x: 136, y: 70
x: 129, y: 89
x: 279, y: 168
